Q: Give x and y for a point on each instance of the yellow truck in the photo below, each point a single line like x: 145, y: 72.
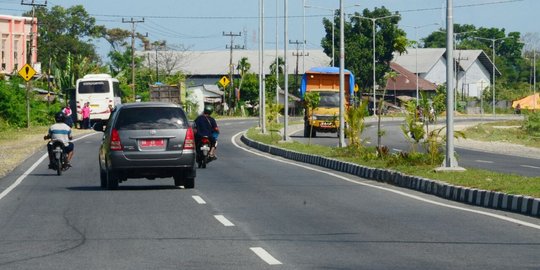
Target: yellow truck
x: 325, y: 81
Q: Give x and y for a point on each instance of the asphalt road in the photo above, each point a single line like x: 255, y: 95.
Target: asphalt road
x: 467, y: 158
x: 248, y: 211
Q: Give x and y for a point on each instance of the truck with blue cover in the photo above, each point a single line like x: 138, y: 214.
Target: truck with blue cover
x: 325, y: 81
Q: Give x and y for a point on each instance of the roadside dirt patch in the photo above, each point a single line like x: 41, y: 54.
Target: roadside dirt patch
x: 14, y: 151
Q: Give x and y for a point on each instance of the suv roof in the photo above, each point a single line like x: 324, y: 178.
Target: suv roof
x: 148, y: 104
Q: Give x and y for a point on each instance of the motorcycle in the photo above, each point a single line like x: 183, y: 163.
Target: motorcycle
x: 203, y: 149
x: 58, y: 157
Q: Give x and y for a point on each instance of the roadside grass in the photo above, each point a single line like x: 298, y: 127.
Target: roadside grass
x: 474, y: 178
x: 504, y: 131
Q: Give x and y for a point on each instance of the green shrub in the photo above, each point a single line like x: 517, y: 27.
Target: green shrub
x: 532, y: 123
x: 13, y: 108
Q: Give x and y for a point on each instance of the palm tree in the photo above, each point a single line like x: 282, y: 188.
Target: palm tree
x: 243, y: 68
x: 280, y: 63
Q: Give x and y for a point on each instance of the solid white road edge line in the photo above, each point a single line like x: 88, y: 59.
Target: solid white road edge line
x: 265, y: 256
x: 198, y: 199
x: 529, y: 166
x: 508, y: 219
x: 224, y: 221
x: 29, y: 171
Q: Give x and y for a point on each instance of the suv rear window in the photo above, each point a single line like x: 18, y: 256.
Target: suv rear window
x: 151, y: 118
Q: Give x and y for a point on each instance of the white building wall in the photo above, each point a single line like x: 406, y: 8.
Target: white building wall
x: 473, y: 80
x: 437, y: 74
x: 470, y: 82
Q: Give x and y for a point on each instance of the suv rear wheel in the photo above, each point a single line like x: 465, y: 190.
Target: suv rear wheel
x: 180, y: 179
x: 112, y: 180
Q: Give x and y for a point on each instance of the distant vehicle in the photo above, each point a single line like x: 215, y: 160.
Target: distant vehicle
x: 166, y: 93
x: 325, y: 81
x: 103, y: 93
x: 147, y: 140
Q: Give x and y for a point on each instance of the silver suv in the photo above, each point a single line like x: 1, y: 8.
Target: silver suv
x: 147, y: 140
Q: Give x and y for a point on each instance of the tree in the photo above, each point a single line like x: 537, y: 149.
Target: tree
x: 359, y: 47
x: 276, y: 71
x: 311, y: 102
x: 243, y: 68
x: 66, y: 31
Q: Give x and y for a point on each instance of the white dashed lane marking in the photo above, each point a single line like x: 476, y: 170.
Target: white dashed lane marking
x: 224, y: 221
x: 265, y: 256
x: 198, y: 199
x: 483, y: 161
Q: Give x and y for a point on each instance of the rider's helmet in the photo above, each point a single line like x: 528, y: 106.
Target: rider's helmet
x: 208, y: 109
x: 59, y: 117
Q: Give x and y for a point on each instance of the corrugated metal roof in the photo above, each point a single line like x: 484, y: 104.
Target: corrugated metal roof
x: 406, y: 80
x: 217, y: 62
x: 428, y: 57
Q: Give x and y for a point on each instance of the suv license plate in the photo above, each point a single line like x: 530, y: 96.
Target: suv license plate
x: 152, y: 143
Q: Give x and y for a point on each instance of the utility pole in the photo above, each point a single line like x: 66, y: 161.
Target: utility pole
x: 297, y: 54
x: 33, y: 46
x: 158, y: 46
x: 231, y: 66
x: 133, y: 22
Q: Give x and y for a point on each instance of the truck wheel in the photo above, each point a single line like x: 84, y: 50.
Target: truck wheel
x: 313, y: 133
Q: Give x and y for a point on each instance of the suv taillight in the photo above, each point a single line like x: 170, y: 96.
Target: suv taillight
x: 189, y: 141
x: 116, y: 144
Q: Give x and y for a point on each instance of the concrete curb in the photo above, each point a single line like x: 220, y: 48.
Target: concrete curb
x: 489, y: 199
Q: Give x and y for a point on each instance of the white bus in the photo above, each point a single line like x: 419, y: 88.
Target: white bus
x: 103, y: 93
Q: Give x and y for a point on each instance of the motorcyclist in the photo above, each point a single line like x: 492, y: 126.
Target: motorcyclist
x: 205, y: 125
x: 60, y: 132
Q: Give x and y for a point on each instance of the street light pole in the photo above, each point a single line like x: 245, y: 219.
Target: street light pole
x: 285, y: 71
x: 333, y: 29
x: 373, y: 20
x: 493, y: 40
x: 416, y: 52
x: 341, y: 76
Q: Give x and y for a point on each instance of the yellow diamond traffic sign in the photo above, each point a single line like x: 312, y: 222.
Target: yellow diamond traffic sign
x: 224, y: 81
x: 27, y: 72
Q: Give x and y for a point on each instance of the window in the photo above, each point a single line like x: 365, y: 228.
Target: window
x: 94, y: 87
x: 329, y: 99
x: 151, y: 118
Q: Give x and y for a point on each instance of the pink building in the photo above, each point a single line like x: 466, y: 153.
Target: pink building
x: 15, y: 42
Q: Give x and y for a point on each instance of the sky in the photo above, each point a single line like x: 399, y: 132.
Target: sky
x: 199, y: 24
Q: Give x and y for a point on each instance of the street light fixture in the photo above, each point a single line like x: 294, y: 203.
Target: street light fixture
x: 333, y: 22
x: 333, y: 27
x: 533, y: 71
x: 493, y: 40
x: 456, y: 75
x: 416, y: 60
x: 373, y: 20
